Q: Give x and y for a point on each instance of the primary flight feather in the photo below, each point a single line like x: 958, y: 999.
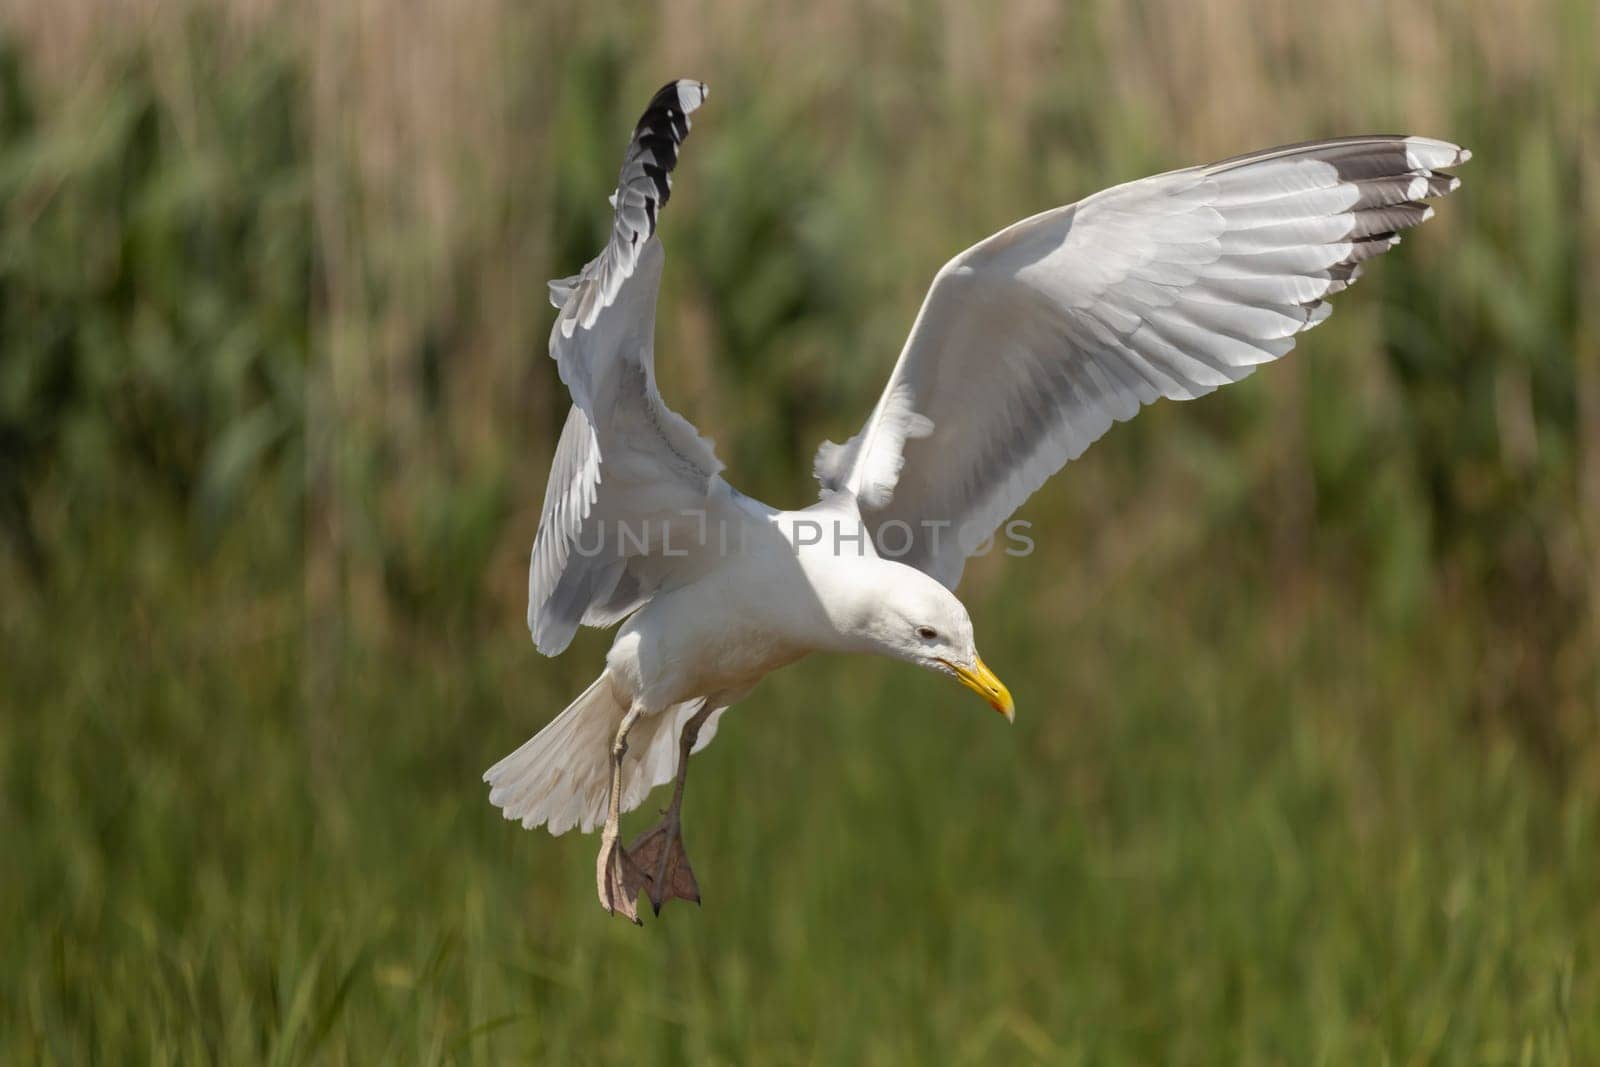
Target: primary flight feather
x: 1028, y: 346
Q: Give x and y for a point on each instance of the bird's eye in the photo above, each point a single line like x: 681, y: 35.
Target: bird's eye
x: 927, y: 633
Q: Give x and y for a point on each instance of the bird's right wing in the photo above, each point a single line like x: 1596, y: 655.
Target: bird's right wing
x: 629, y: 473
x: 1031, y: 343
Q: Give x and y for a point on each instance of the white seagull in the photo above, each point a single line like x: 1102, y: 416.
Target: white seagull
x: 1029, y: 345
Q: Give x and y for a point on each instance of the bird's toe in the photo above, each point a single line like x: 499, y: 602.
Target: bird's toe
x: 619, y: 881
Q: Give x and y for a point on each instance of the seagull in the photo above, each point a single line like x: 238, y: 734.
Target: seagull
x: 1028, y: 346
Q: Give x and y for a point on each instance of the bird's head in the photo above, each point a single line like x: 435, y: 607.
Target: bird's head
x: 911, y: 617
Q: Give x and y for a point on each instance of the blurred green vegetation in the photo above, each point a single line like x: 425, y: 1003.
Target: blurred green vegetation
x: 1307, y: 763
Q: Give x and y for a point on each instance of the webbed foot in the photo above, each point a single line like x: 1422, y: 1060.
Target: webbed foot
x: 658, y: 854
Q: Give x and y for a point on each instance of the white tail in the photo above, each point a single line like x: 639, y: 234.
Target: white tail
x: 561, y: 775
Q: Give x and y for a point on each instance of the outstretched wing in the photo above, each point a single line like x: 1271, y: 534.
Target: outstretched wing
x: 628, y: 468
x: 1030, y: 344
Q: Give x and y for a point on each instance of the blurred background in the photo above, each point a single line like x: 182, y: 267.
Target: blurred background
x: 1307, y: 761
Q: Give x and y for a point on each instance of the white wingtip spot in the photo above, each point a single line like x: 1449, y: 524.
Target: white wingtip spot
x: 1424, y: 153
x: 691, y: 94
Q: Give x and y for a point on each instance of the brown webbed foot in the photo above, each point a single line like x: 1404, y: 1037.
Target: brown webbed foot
x: 659, y: 855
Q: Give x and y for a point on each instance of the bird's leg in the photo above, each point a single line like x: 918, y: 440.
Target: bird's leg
x: 617, y: 878
x: 658, y: 852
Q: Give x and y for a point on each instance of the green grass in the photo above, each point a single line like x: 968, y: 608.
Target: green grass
x: 1212, y: 836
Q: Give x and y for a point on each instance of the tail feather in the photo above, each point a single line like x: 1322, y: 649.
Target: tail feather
x: 561, y: 776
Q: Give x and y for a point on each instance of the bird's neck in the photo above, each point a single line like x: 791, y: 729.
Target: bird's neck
x: 849, y: 593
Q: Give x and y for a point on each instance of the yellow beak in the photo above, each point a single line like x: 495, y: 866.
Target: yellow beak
x: 981, y: 680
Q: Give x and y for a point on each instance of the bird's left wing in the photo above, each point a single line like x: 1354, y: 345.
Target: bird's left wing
x: 629, y: 473
x: 1030, y: 344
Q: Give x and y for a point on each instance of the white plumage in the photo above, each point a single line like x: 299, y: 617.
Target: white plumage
x: 1029, y: 345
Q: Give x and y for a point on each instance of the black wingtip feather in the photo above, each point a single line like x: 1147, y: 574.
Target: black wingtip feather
x: 657, y: 137
x: 643, y: 188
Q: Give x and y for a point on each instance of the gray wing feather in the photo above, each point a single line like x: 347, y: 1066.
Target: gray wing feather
x: 1032, y: 343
